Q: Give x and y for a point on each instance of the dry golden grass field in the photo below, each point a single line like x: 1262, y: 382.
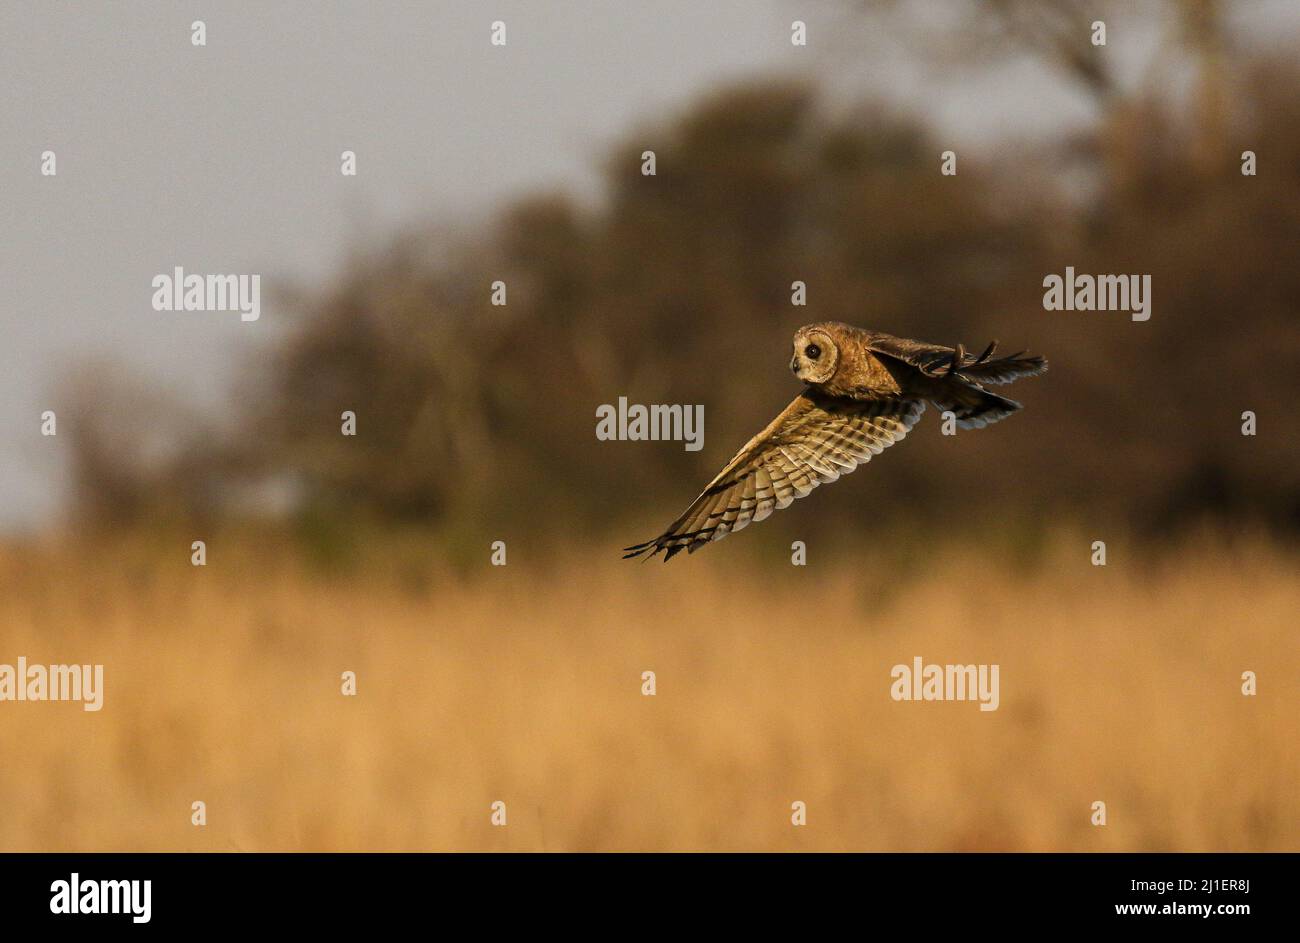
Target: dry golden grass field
x: 523, y: 684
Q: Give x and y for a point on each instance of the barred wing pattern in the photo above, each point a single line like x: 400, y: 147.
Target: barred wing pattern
x: 815, y: 439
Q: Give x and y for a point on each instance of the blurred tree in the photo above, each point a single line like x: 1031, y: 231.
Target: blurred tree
x: 675, y: 288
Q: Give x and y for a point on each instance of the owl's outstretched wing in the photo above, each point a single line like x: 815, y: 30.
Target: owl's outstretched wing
x: 816, y: 438
x: 935, y: 360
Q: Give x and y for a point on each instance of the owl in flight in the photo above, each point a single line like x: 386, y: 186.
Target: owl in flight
x: 863, y: 392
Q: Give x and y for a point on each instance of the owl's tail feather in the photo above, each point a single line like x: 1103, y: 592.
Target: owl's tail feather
x: 974, y: 406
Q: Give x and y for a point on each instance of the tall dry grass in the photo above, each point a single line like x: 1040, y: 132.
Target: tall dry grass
x: 523, y: 684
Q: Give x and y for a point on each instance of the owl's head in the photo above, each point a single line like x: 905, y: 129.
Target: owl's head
x: 816, y: 354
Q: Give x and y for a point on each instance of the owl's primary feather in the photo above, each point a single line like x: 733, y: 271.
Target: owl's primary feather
x: 865, y: 390
x: 936, y: 360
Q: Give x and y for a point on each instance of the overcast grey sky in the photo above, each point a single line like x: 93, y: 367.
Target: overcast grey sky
x: 225, y: 158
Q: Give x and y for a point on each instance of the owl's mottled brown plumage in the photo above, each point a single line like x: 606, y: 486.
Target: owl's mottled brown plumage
x: 864, y: 391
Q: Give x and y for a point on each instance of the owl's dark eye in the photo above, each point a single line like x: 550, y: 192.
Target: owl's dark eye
x: 812, y: 351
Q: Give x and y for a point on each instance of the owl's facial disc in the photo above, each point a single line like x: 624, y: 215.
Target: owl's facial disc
x: 815, y: 356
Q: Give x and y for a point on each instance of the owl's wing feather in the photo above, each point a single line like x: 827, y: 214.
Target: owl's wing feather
x: 1006, y: 369
x: 930, y: 359
x: 816, y: 438
x: 936, y: 360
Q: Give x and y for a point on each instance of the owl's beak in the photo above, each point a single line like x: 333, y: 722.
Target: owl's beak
x: 794, y: 365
